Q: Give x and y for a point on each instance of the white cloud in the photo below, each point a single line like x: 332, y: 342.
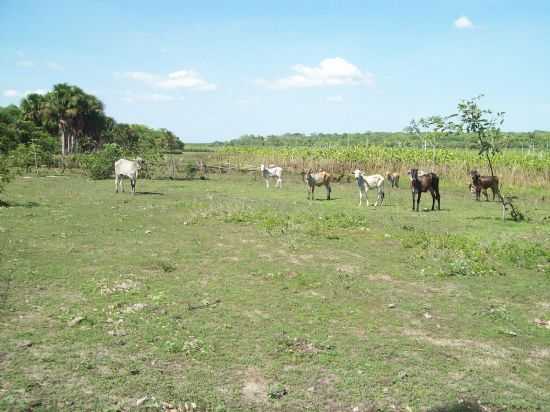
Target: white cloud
x: 463, y: 22
x: 10, y: 93
x: 141, y: 76
x: 181, y: 79
x: 335, y: 99
x: 54, y: 66
x: 24, y: 63
x: 16, y: 93
x: 37, y: 91
x: 330, y: 72
x: 149, y: 98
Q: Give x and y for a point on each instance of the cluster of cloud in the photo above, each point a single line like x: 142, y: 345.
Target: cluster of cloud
x: 463, y: 22
x: 131, y: 97
x: 330, y: 72
x: 16, y: 93
x: 25, y: 63
x: 181, y: 79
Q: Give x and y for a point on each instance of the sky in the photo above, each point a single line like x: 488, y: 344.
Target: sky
x: 215, y: 70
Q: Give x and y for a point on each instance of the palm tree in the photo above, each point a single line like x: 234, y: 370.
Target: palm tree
x: 75, y: 114
x: 32, y: 107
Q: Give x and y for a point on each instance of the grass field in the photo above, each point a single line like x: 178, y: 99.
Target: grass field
x: 220, y: 295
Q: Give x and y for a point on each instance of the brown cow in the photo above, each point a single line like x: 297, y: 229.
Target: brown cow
x: 425, y: 183
x: 482, y: 183
x: 393, y: 178
x: 321, y: 178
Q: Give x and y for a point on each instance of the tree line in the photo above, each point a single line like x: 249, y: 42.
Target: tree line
x: 535, y: 140
x: 68, y: 121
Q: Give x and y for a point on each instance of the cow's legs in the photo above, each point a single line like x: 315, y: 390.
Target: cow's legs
x: 329, y: 189
x: 267, y: 183
x: 433, y: 198
x: 116, y: 184
x: 279, y: 183
x: 133, y: 184
x: 379, y: 197
x: 419, y: 194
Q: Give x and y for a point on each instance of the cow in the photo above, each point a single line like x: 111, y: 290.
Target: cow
x: 393, y: 178
x: 274, y: 172
x: 312, y: 180
x: 428, y: 182
x: 483, y: 183
x: 369, y: 182
x: 128, y: 168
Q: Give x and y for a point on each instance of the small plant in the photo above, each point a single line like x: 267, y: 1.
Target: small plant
x: 276, y: 391
x: 190, y: 170
x: 167, y: 266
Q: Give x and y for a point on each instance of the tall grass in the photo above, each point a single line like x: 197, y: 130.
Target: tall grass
x: 513, y: 166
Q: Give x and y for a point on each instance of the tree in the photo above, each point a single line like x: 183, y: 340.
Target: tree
x: 74, y: 115
x: 485, y: 125
x: 430, y: 130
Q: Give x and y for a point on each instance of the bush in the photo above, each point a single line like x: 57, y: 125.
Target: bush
x: 27, y: 156
x: 100, y: 165
x: 5, y: 175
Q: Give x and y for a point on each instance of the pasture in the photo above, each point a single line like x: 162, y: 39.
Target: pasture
x: 221, y: 295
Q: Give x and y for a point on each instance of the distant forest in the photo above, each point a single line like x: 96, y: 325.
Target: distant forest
x: 536, y: 140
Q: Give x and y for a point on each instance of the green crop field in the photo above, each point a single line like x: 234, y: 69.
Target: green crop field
x: 221, y: 295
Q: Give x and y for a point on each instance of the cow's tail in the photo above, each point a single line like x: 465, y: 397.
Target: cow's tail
x: 435, y: 183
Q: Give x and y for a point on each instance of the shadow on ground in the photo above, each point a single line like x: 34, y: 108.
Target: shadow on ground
x: 19, y: 204
x: 462, y: 406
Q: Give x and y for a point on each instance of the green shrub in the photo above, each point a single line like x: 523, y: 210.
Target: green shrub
x: 27, y: 156
x: 100, y: 165
x: 5, y: 175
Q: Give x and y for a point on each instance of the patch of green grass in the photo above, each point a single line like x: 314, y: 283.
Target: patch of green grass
x: 228, y: 296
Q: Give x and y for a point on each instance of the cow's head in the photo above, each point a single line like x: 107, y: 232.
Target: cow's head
x: 140, y: 162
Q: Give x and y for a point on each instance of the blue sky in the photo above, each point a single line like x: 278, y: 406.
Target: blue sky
x: 216, y: 70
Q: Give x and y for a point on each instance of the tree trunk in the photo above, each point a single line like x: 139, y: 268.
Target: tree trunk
x: 62, y: 140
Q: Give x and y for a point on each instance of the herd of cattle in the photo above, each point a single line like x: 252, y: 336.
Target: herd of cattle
x: 420, y: 182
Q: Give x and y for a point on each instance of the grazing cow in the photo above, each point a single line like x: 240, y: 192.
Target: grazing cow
x: 369, y: 182
x: 482, y: 183
x: 127, y: 168
x: 274, y: 172
x: 393, y: 178
x: 321, y: 178
x: 427, y: 182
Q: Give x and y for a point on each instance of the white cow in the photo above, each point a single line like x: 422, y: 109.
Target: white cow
x: 369, y: 182
x: 274, y: 172
x: 127, y: 168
